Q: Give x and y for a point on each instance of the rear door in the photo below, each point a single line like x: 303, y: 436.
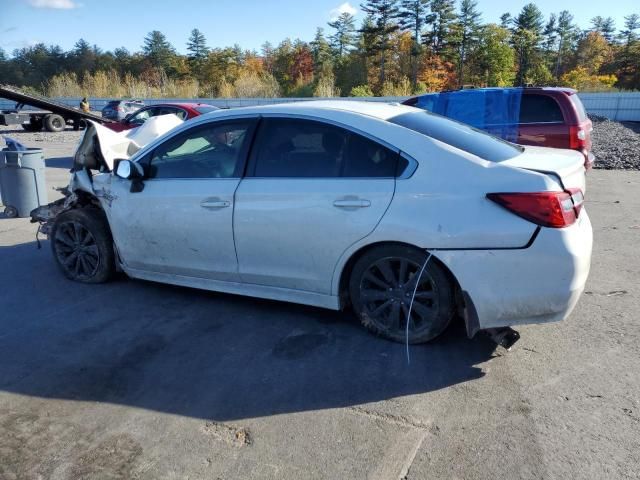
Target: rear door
x: 542, y: 122
x: 312, y: 189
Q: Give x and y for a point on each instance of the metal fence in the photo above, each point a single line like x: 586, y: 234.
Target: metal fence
x: 616, y: 106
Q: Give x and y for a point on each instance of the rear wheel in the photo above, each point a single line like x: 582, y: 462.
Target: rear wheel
x: 82, y: 245
x: 381, y: 288
x: 54, y: 123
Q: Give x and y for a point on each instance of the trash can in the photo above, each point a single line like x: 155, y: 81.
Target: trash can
x: 22, y: 181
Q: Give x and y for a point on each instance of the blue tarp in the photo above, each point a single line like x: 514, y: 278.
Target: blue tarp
x: 494, y: 110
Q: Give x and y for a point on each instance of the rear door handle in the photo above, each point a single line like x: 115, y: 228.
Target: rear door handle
x: 352, y: 203
x: 214, y: 203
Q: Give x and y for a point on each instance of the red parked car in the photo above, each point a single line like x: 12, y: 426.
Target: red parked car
x: 548, y: 116
x: 184, y: 111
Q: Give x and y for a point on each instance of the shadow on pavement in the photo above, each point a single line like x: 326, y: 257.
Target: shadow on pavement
x: 202, y: 354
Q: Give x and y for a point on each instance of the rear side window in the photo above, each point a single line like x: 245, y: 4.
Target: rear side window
x: 458, y: 135
x: 294, y: 148
x: 577, y: 103
x: 539, y: 109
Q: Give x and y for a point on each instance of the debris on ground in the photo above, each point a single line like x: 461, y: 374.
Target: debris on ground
x: 615, y: 144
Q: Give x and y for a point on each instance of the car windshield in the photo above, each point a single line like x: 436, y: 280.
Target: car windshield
x: 458, y: 135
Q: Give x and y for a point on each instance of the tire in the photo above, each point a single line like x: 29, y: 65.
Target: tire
x: 381, y: 299
x: 82, y: 245
x: 54, y: 123
x: 33, y: 125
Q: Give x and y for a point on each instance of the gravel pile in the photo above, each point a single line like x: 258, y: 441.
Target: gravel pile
x: 616, y: 145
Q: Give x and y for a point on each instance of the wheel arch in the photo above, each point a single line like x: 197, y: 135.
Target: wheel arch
x: 463, y: 302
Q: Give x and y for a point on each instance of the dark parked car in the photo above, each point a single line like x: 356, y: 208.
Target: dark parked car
x: 184, y: 111
x: 119, y: 109
x: 541, y: 116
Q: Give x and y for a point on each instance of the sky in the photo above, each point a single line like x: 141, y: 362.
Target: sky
x: 249, y: 23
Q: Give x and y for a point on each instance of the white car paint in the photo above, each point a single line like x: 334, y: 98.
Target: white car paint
x: 291, y: 243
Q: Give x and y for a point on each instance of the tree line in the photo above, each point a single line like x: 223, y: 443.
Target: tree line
x: 400, y: 47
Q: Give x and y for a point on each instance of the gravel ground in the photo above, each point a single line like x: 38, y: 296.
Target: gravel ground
x: 616, y: 145
x: 30, y: 138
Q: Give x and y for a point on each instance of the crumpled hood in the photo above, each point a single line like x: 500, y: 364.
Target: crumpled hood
x: 99, y: 147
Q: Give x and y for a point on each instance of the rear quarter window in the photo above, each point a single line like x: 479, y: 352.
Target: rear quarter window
x: 458, y: 135
x: 577, y: 104
x: 539, y: 109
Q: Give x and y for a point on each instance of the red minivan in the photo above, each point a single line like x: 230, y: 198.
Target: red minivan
x: 549, y: 117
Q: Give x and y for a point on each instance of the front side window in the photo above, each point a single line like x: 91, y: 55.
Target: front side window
x: 311, y: 149
x: 207, y: 151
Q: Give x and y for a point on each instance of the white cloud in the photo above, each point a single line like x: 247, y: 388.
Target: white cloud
x: 345, y: 7
x: 57, y: 4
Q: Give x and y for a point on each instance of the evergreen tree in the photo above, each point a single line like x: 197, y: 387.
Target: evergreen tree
x: 441, y: 19
x: 567, y: 35
x: 157, y: 49
x: 604, y: 26
x: 469, y: 30
x: 383, y: 15
x: 412, y: 17
x: 345, y: 33
x: 527, y: 33
x: 321, y: 51
x: 631, y: 24
x: 197, y: 46
x: 506, y: 20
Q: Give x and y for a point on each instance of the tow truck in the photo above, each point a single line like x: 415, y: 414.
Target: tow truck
x: 53, y: 116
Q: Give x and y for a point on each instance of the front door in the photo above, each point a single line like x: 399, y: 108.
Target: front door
x: 181, y: 222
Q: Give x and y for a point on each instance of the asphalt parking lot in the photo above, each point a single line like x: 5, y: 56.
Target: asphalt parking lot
x: 138, y: 380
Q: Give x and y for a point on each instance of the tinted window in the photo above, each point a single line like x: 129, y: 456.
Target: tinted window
x: 458, y: 135
x: 206, y: 109
x: 539, y: 109
x: 207, y: 151
x: 366, y: 158
x: 302, y: 148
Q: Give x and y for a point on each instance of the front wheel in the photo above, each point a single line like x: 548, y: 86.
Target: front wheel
x: 82, y: 245
x: 381, y: 288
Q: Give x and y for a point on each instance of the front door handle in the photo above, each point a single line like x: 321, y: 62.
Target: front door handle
x: 214, y: 203
x: 352, y: 203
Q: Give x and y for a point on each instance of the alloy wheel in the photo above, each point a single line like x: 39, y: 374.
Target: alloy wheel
x: 77, y: 250
x: 386, y: 290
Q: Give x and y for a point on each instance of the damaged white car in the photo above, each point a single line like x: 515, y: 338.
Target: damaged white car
x: 408, y: 217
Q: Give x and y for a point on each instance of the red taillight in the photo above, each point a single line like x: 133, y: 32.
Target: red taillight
x: 547, y: 209
x: 577, y: 137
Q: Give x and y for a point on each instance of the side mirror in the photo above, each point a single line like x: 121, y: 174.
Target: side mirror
x: 128, y: 170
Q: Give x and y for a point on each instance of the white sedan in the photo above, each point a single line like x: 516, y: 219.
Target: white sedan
x: 408, y: 217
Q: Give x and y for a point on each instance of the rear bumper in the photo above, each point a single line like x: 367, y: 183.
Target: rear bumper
x: 538, y: 284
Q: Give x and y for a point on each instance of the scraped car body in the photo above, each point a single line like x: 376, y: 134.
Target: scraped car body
x: 296, y: 238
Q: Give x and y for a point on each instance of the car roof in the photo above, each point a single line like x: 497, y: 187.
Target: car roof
x: 379, y: 110
x: 181, y: 104
x: 566, y: 90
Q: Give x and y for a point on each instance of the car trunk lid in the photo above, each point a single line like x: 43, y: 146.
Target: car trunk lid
x: 565, y: 166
